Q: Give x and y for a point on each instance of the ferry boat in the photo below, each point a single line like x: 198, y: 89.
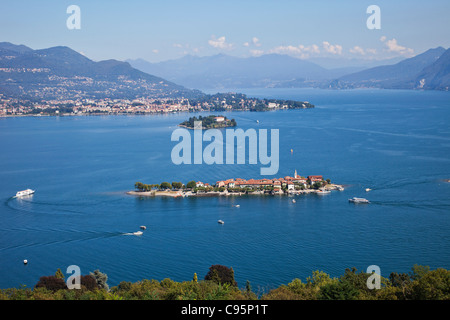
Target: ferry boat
x: 358, y: 200
x: 22, y: 193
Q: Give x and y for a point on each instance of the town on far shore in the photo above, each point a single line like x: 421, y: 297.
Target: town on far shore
x: 143, y: 105
x: 238, y: 186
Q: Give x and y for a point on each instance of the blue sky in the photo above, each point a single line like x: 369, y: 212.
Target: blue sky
x: 162, y: 30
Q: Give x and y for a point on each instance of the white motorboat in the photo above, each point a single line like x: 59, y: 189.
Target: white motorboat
x: 143, y: 227
x: 138, y: 233
x: 323, y: 191
x: 293, y: 201
x: 220, y: 221
x: 358, y: 200
x: 22, y: 193
x: 368, y: 189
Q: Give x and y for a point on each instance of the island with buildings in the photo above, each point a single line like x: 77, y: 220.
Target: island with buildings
x: 288, y: 185
x: 209, y: 122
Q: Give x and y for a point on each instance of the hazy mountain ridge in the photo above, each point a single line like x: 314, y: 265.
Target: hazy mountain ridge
x: 274, y: 70
x: 436, y: 75
x: 223, y: 71
x: 60, y: 72
x: 402, y: 75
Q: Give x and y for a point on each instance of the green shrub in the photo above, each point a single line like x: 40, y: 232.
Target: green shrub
x: 221, y: 275
x: 51, y: 283
x: 421, y: 284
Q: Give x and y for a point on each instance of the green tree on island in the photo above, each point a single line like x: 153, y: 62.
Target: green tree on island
x: 165, y: 185
x: 139, y: 186
x: 191, y: 184
x: 177, y: 185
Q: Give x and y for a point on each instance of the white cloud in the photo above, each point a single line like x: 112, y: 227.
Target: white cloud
x: 300, y: 51
x: 333, y: 49
x: 292, y: 50
x: 361, y: 51
x: 255, y: 43
x: 393, y: 46
x: 257, y: 52
x: 220, y: 43
x: 357, y: 50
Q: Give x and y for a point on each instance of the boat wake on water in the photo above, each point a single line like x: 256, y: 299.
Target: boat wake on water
x: 56, y: 237
x: 27, y: 205
x: 30, y: 205
x: 413, y: 205
x: 406, y: 182
x: 137, y: 233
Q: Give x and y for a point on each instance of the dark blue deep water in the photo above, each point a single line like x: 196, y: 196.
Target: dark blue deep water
x: 395, y: 142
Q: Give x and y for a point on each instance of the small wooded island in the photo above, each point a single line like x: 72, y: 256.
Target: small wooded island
x: 209, y: 122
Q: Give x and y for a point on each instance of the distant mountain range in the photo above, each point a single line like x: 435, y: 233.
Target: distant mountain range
x: 436, y: 75
x: 62, y: 73
x: 428, y: 70
x: 223, y: 71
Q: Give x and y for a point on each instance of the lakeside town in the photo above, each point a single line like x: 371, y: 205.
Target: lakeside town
x: 108, y: 106
x: 237, y: 186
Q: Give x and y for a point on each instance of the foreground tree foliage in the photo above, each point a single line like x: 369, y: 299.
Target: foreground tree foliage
x: 219, y: 284
x: 221, y: 274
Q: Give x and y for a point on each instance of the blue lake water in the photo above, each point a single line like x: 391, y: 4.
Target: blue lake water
x: 395, y: 142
